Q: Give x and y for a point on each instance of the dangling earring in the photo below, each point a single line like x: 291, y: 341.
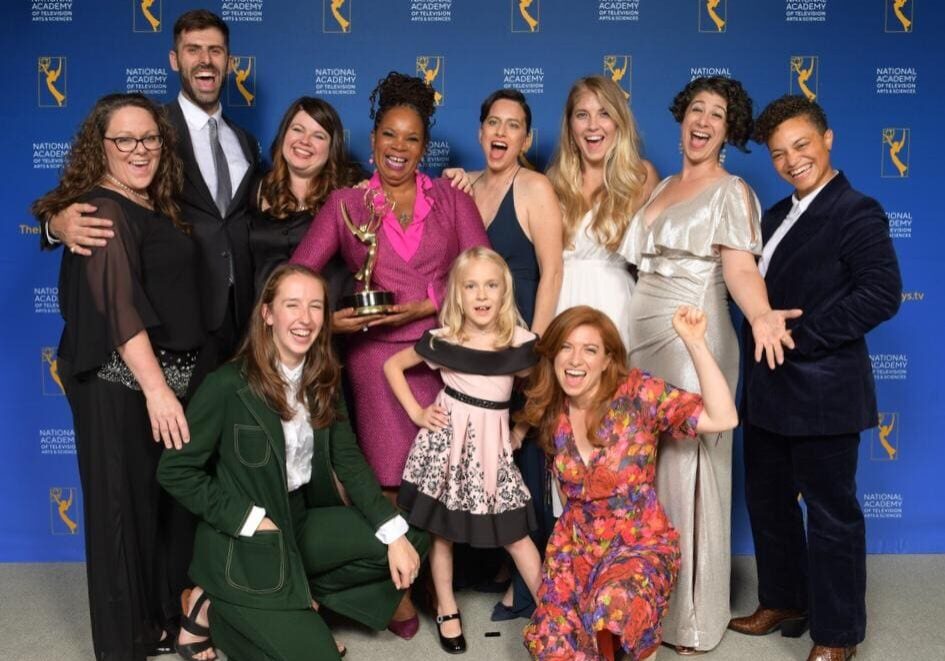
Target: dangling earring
x: 722, y: 156
x: 370, y: 159
x: 680, y: 147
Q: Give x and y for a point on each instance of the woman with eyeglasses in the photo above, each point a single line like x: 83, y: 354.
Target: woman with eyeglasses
x: 126, y: 358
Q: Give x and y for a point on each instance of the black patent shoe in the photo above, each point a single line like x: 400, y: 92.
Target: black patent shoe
x: 456, y: 645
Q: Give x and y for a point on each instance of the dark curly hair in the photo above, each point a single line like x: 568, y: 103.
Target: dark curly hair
x: 738, y: 122
x: 86, y: 164
x: 784, y: 108
x: 399, y: 89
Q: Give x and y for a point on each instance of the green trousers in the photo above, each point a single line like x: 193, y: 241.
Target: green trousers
x: 348, y: 573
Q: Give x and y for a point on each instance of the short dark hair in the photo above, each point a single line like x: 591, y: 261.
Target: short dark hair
x: 200, y: 19
x: 508, y: 94
x: 738, y: 122
x: 398, y: 89
x: 784, y: 108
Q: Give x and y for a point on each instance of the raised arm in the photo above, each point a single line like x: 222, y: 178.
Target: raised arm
x: 719, y: 412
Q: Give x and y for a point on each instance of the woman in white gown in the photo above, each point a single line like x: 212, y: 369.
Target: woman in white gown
x: 601, y: 180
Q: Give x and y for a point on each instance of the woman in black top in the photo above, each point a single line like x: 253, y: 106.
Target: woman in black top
x: 126, y: 357
x: 309, y: 161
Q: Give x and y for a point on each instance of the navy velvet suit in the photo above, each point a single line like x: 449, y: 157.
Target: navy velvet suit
x: 802, y: 420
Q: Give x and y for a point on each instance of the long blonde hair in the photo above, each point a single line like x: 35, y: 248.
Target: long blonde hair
x: 452, y: 317
x: 624, y: 172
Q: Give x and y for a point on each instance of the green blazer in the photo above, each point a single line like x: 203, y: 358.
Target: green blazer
x: 235, y: 460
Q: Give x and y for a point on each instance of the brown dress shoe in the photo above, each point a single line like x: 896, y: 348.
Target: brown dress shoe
x: 763, y: 621
x: 824, y: 653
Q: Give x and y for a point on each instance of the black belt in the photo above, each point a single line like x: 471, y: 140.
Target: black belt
x: 475, y: 401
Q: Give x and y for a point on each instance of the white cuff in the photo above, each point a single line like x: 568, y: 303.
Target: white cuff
x: 392, y: 530
x: 49, y: 235
x: 256, y: 515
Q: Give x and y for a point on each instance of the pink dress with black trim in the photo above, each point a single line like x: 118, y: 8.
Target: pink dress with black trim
x: 613, y: 556
x: 413, y: 264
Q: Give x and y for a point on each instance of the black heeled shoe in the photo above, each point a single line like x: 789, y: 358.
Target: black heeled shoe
x: 455, y: 645
x: 188, y: 622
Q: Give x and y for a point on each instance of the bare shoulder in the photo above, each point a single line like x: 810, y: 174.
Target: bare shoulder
x: 652, y: 178
x: 533, y: 184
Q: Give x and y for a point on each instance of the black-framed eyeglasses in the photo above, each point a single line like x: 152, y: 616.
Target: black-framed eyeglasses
x: 128, y: 144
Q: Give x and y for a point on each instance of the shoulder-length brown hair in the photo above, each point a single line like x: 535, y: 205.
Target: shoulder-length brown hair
x: 321, y: 376
x: 337, y: 172
x: 86, y: 164
x: 546, y: 399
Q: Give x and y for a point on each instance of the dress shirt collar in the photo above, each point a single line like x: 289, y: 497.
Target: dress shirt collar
x: 196, y: 116
x: 799, y: 206
x: 292, y: 375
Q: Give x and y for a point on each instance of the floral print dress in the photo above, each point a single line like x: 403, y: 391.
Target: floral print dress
x: 613, y: 556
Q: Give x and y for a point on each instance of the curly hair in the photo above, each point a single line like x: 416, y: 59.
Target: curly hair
x: 624, y: 172
x: 320, y: 386
x: 784, y: 108
x: 337, y: 172
x: 86, y: 164
x: 398, y: 89
x: 738, y: 114
x: 545, y: 397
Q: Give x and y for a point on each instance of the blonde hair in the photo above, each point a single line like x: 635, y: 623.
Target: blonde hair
x: 624, y: 172
x: 452, y: 317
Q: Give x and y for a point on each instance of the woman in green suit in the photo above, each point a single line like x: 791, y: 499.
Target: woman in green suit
x: 269, y: 458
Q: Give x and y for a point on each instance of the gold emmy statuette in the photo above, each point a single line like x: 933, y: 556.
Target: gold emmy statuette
x: 343, y: 23
x: 368, y: 301
x: 797, y: 65
x: 617, y: 73
x: 523, y: 6
x: 884, y: 432
x: 146, y: 11
x: 710, y: 6
x: 51, y: 78
x: 55, y: 494
x: 895, y: 146
x: 241, y: 76
x: 902, y: 18
x: 49, y: 357
x: 429, y: 75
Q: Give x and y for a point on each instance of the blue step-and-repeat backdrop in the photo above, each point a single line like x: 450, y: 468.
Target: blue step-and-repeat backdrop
x: 875, y: 65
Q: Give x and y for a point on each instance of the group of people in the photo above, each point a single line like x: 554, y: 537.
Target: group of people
x: 560, y: 368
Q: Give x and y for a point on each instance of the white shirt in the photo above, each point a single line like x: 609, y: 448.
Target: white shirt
x: 798, y: 207
x: 199, y: 129
x: 299, y: 448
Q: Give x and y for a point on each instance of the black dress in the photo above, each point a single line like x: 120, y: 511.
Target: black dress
x: 509, y: 240
x: 144, y: 279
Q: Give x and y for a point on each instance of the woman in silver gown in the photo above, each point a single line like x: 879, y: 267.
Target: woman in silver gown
x: 694, y: 242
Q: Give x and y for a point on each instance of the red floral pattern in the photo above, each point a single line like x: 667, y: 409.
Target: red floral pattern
x: 613, y: 556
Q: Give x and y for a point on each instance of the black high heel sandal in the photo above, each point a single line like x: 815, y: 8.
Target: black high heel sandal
x: 189, y: 624
x: 455, y: 645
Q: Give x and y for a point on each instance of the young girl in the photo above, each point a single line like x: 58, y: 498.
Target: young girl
x: 460, y: 482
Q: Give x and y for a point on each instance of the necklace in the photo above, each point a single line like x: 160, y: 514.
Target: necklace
x: 126, y: 188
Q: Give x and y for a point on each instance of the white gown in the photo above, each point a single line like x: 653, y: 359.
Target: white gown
x: 597, y: 277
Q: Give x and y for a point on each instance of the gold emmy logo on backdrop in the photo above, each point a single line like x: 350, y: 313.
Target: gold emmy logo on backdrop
x: 150, y: 11
x: 899, y: 15
x: 618, y: 68
x: 61, y: 500
x: 895, y: 153
x: 336, y: 16
x: 433, y: 75
x: 52, y: 78
x: 713, y: 15
x: 52, y: 383
x: 886, y: 438
x: 244, y: 79
x: 804, y: 75
x: 526, y: 15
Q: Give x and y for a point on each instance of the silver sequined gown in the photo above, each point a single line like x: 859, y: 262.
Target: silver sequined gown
x: 679, y: 263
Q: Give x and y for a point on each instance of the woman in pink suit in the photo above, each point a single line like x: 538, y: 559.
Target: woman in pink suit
x: 425, y: 225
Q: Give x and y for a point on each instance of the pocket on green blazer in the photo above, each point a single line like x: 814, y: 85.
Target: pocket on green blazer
x: 257, y: 564
x: 251, y: 445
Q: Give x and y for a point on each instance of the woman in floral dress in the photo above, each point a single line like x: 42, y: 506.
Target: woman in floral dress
x: 613, y: 556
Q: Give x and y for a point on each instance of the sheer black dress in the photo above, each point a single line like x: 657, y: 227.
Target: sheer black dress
x: 144, y: 279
